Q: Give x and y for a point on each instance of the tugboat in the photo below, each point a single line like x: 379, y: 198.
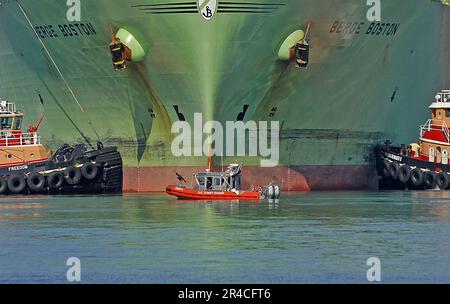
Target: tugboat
x: 421, y: 165
x: 27, y: 168
x: 220, y: 186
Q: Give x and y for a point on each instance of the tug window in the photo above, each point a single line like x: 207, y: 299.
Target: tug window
x: 18, y: 123
x: 447, y: 113
x: 5, y: 123
x: 445, y: 157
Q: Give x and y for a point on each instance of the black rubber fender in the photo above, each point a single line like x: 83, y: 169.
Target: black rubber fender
x: 394, y: 170
x: 386, y: 169
x: 429, y: 179
x: 3, y: 185
x: 416, y: 177
x: 55, y: 180
x: 16, y: 184
x: 36, y: 182
x: 443, y: 181
x: 72, y: 175
x: 404, y: 174
x: 89, y: 171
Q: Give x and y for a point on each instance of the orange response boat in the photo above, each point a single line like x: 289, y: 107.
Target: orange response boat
x: 220, y: 186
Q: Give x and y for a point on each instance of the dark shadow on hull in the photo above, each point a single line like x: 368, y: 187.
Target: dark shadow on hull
x: 144, y: 111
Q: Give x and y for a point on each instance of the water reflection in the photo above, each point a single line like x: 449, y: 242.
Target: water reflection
x: 17, y: 208
x: 431, y: 203
x: 305, y: 237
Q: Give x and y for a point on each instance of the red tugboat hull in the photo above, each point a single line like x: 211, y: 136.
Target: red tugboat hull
x: 191, y: 194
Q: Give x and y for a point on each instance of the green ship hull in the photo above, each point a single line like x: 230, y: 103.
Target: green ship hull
x: 362, y: 86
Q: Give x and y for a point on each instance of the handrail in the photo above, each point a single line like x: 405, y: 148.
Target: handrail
x: 426, y: 126
x: 446, y: 131
x: 25, y: 139
x: 430, y: 126
x: 7, y: 107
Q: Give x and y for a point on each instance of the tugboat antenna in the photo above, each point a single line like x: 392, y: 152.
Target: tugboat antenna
x: 210, y: 159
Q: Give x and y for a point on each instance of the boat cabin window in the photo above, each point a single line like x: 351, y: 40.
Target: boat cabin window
x: 18, y: 123
x: 6, y: 123
x: 212, y: 182
x: 201, y: 181
x: 209, y: 183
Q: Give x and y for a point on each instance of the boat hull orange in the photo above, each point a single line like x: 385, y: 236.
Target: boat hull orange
x: 191, y: 194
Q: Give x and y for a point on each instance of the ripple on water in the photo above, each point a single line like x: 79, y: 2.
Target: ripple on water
x: 303, y: 238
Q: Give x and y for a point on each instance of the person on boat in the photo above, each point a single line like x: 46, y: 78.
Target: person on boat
x: 237, y: 179
x: 415, y: 150
x: 409, y: 151
x: 209, y: 183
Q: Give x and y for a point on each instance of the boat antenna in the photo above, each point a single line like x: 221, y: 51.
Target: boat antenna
x: 210, y: 159
x: 59, y: 72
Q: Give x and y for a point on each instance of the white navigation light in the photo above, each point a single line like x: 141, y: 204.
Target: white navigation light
x: 438, y: 98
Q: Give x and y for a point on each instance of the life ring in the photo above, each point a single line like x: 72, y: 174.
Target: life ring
x: 416, y: 177
x: 394, y: 170
x: 36, y: 182
x: 443, y: 181
x: 386, y: 169
x: 55, y: 180
x: 16, y: 184
x: 72, y: 175
x: 429, y: 179
x: 3, y: 185
x: 404, y: 174
x: 89, y: 171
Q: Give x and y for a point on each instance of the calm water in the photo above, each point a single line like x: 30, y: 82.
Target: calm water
x: 304, y: 238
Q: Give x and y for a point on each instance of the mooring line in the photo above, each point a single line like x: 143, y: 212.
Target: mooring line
x: 59, y: 71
